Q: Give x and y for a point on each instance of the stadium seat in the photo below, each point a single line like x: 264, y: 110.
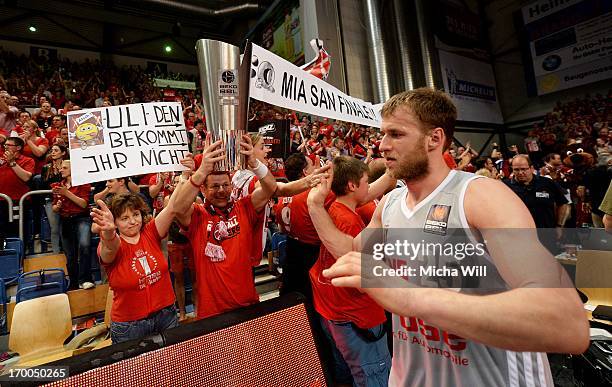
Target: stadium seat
x: 41, y: 283
x: 40, y: 325
x: 15, y: 244
x: 10, y: 266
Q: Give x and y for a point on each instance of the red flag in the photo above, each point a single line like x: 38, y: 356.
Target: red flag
x: 319, y: 66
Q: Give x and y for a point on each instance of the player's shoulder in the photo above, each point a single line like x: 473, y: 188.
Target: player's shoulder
x: 484, y: 190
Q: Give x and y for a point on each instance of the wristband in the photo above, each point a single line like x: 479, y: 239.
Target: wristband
x: 260, y: 170
x: 194, y: 184
x: 108, y: 240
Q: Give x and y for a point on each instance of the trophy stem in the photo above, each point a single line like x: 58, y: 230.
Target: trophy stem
x: 225, y: 84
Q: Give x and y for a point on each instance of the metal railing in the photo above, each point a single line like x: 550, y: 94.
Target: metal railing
x: 22, y: 200
x: 10, y: 206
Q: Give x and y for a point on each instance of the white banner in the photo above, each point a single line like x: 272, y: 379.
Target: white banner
x: 279, y: 82
x: 119, y: 141
x: 471, y: 86
x: 570, y: 42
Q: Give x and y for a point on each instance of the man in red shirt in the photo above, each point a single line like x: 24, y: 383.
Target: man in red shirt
x: 303, y: 241
x: 352, y: 321
x: 15, y: 172
x: 221, y: 230
x: 57, y: 124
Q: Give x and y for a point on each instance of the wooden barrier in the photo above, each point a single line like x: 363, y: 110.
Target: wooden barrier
x: 45, y: 262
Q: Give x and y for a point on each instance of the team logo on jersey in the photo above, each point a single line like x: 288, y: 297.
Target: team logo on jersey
x: 437, y: 219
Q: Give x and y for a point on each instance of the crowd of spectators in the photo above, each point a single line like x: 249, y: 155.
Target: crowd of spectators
x: 571, y: 145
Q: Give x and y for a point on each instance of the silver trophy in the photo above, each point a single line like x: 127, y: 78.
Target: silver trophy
x: 225, y: 93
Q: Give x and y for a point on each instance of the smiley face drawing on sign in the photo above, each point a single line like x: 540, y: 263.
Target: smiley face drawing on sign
x: 85, y: 130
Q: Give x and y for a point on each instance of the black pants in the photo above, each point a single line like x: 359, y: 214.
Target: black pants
x: 300, y: 258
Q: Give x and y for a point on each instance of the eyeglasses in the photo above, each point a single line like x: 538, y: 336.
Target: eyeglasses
x: 7, y: 145
x: 217, y: 187
x: 520, y: 169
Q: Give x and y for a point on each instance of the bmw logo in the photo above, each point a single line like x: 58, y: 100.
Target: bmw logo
x: 552, y: 62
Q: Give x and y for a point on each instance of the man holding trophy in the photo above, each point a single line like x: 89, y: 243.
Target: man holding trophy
x: 222, y: 229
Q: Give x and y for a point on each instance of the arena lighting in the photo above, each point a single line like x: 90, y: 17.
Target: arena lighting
x: 32, y: 28
x: 168, y: 48
x: 262, y: 345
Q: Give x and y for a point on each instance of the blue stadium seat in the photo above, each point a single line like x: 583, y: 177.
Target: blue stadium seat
x: 15, y: 244
x: 10, y: 265
x: 40, y: 283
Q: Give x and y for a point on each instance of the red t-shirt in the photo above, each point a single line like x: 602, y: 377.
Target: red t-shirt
x: 221, y: 254
x: 139, y: 277
x: 326, y: 130
x: 360, y: 150
x: 301, y: 227
x: 145, y: 179
x: 449, y: 160
x: 342, y: 304
x: 70, y: 208
x: 367, y: 211
x: 51, y: 135
x: 282, y: 213
x: 11, y: 184
x: 158, y: 204
x: 39, y: 161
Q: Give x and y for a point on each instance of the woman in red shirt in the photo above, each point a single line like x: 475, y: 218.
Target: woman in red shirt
x: 143, y: 299
x: 75, y: 227
x: 36, y: 145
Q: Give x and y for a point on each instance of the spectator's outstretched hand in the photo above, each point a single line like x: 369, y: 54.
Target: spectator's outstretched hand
x: 320, y: 173
x: 188, y: 162
x: 103, y: 220
x: 246, y: 148
x: 317, y: 195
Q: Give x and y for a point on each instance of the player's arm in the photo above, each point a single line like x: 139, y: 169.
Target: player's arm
x: 541, y: 307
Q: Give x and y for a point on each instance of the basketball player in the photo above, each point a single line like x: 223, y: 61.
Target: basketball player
x: 444, y: 337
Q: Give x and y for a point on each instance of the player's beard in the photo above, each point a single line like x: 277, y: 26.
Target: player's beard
x: 414, y: 165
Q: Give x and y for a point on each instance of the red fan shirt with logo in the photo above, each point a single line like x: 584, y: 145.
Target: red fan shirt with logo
x: 221, y: 244
x: 139, y: 277
x: 342, y: 304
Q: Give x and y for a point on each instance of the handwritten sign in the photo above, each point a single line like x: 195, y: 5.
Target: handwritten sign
x: 118, y: 141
